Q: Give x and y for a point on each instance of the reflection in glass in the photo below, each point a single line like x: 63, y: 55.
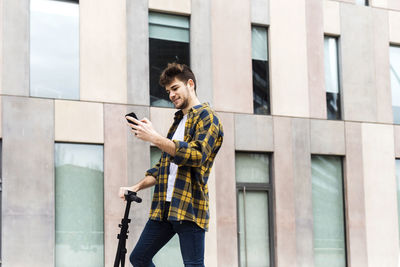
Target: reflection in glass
x: 168, y: 42
x: 395, y: 81
x: 327, y: 198
x: 260, y: 69
x: 79, y: 188
x: 169, y: 255
x: 332, y: 78
x: 251, y: 167
x: 54, y: 49
x: 253, y: 228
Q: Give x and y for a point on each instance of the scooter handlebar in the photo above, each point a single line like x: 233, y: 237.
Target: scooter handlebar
x: 131, y: 196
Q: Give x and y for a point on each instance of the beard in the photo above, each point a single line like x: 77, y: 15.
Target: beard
x: 185, y: 100
x: 183, y: 105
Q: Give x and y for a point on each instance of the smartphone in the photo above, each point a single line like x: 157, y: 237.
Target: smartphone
x: 132, y: 114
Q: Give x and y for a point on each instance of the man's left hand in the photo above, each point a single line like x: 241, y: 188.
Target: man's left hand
x: 143, y: 130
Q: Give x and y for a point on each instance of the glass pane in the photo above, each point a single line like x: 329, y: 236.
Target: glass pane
x: 332, y: 78
x: 169, y: 33
x: 362, y: 2
x: 395, y: 81
x: 79, y: 205
x: 398, y: 190
x: 331, y: 65
x: 241, y: 226
x: 260, y: 70
x: 254, y: 241
x: 327, y: 197
x: 168, y: 42
x: 261, y: 87
x: 252, y: 167
x: 163, y: 52
x: 259, y: 43
x: 333, y: 106
x: 169, y: 20
x: 170, y: 254
x: 54, y: 49
x: 155, y: 155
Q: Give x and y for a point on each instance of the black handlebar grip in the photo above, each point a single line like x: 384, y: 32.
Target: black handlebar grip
x: 130, y: 195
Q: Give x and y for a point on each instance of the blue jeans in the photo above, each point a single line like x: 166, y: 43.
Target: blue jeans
x: 157, y: 233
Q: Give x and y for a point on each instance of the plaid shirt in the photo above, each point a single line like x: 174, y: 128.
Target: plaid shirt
x: 194, y: 157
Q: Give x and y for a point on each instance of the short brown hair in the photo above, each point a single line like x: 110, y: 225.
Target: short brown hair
x: 175, y: 70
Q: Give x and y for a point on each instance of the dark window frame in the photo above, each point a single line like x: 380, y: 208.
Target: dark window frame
x: 257, y: 187
x: 149, y: 57
x: 54, y: 184
x: 79, y: 58
x: 268, y: 65
x: 339, y: 71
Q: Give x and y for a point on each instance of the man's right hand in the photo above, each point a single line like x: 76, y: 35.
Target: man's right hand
x: 146, y: 182
x: 124, y: 188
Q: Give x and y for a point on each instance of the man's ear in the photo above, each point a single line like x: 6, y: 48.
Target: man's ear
x: 190, y: 83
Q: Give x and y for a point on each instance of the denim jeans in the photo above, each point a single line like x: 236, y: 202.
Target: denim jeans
x: 157, y: 233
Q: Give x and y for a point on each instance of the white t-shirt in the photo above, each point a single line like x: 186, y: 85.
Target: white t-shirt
x: 173, y: 168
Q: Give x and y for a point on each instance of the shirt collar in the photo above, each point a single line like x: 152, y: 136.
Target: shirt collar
x: 194, y: 110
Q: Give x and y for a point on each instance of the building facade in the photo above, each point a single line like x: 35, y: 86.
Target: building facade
x: 308, y: 92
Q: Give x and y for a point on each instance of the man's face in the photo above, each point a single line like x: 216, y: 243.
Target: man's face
x: 178, y: 93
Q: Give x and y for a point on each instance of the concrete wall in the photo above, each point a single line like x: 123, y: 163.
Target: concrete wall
x: 364, y: 50
x: 103, y: 51
x: 15, y: 47
x: 137, y: 34
x: 201, y: 49
x: 114, y: 80
x: 289, y: 88
x: 315, y: 58
x: 380, y: 184
x: 355, y: 195
x: 231, y: 56
x: 225, y: 190
x: 28, y: 218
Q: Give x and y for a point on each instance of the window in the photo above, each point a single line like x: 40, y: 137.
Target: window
x: 79, y: 198
x: 170, y: 254
x: 362, y: 2
x: 328, y: 211
x: 169, y: 42
x: 332, y: 78
x: 259, y: 41
x: 54, y: 49
x: 398, y: 190
x: 395, y: 81
x: 254, y: 202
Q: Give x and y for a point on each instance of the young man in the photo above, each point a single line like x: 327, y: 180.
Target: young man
x: 180, y: 202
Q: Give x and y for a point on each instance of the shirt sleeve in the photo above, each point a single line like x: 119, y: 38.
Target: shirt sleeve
x: 197, y: 151
x: 154, y: 170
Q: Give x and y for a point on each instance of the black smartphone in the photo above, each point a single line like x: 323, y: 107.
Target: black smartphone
x: 132, y: 114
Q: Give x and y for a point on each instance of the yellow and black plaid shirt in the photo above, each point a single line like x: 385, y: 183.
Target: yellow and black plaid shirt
x: 194, y: 157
